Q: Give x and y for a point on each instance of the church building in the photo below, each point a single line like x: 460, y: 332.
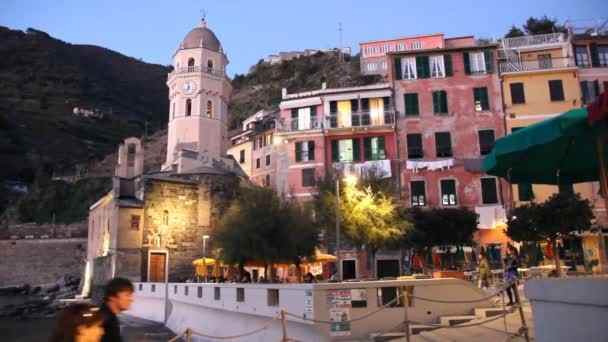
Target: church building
x: 151, y: 226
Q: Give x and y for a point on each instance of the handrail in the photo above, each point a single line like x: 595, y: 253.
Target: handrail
x: 538, y: 64
x: 361, y: 119
x: 539, y: 39
x: 207, y: 70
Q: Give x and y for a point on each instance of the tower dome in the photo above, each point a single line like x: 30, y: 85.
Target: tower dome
x: 201, y: 37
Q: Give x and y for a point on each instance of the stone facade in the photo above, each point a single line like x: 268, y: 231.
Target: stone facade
x: 45, y: 231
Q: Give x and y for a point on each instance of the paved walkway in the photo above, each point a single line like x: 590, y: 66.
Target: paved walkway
x: 135, y: 329
x: 491, y: 331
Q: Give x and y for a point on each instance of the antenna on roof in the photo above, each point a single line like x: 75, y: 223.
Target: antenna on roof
x: 203, y: 13
x: 340, y: 53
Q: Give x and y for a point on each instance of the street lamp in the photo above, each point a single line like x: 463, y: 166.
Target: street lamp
x: 205, y: 237
x: 350, y: 180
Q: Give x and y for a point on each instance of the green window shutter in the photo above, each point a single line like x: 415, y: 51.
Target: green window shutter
x: 595, y: 57
x: 311, y: 150
x: 335, y: 153
x: 333, y: 107
x: 411, y: 104
x: 447, y: 61
x: 313, y: 112
x: 485, y: 101
x: 381, y: 148
x: 386, y: 102
x: 467, y: 63
x: 596, y: 87
x: 398, y: 74
x: 436, y: 102
x: 444, y: 101
x: 422, y: 66
x: 354, y: 106
x: 367, y: 148
x: 356, y: 150
x: 298, y: 151
x: 489, y: 59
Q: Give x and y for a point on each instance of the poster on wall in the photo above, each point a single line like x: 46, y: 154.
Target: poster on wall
x: 339, y: 304
x: 308, y: 304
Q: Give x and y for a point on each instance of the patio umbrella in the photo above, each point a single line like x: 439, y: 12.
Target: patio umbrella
x: 460, y: 254
x: 320, y: 257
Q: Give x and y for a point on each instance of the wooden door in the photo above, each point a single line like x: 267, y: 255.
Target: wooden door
x: 157, y: 267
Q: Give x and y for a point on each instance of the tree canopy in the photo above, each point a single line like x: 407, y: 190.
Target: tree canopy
x: 259, y: 227
x: 535, y: 26
x: 441, y: 227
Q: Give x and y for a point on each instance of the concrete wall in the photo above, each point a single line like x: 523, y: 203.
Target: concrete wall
x: 227, y: 316
x: 44, y: 231
x: 41, y: 261
x: 569, y: 309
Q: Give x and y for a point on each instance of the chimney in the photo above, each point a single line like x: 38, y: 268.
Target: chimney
x: 284, y: 93
x: 323, y: 85
x: 202, y: 23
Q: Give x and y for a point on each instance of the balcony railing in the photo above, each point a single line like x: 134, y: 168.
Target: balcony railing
x: 539, y: 64
x: 192, y: 69
x: 539, y: 40
x: 288, y: 125
x: 360, y: 119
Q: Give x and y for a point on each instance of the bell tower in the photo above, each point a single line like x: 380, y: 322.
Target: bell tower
x: 199, y: 91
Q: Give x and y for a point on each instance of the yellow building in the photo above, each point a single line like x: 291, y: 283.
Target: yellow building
x: 539, y: 81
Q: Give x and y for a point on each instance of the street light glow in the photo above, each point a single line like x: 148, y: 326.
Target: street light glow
x: 205, y: 236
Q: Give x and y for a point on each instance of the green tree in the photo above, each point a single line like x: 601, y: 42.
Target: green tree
x: 542, y: 25
x: 441, y: 227
x: 514, y: 32
x: 259, y: 227
x: 560, y: 216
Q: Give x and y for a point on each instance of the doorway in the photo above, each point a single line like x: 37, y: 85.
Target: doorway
x: 157, y: 262
x: 349, y: 269
x: 387, y: 268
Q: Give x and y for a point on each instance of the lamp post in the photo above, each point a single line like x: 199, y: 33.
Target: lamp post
x: 205, y: 237
x: 350, y: 180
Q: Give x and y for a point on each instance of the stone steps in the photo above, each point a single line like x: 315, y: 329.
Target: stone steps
x: 454, y: 320
x: 487, y: 312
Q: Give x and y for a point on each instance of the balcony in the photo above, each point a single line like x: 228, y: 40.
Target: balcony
x: 360, y: 119
x: 287, y: 125
x: 534, y: 42
x: 539, y: 64
x: 197, y: 69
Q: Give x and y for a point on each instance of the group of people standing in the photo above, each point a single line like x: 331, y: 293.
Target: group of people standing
x: 511, y: 263
x: 91, y: 323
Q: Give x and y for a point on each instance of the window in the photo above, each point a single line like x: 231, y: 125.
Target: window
x: 242, y: 156
x: 486, y: 141
x: 185, y: 290
x: 414, y: 146
x: 268, y: 139
x: 437, y: 66
x: 480, y: 97
x: 440, y: 102
x: 217, y: 293
x: 166, y: 217
x: 477, y: 63
x: 418, y: 193
x: 188, y: 107
x: 267, y: 180
x: 370, y: 50
x: 385, y: 48
x: 372, y: 66
x: 409, y: 68
x: 153, y: 288
x: 257, y: 163
x: 303, y: 118
x: 602, y: 55
x: 443, y: 144
x: 305, y: 150
x: 267, y: 159
x: 383, y: 65
x: 567, y: 188
x: 260, y: 141
x: 422, y: 67
x: 134, y: 224
x: 272, y: 296
x: 346, y: 150
x: 131, y: 154
x: 545, y: 61
x: 400, y: 47
x: 416, y: 45
x: 190, y: 64
x: 582, y: 57
x: 374, y: 148
x: 448, y: 192
x: 308, y: 177
x: 200, y: 292
x: 524, y: 192
x: 209, y: 65
x: 391, y: 296
x: 209, y: 108
x: 240, y: 294
x: 411, y: 104
x: 590, y: 91
x: 488, y: 191
x: 517, y: 93
x: 556, y: 90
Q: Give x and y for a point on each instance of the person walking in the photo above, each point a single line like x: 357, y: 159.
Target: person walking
x: 511, y: 274
x: 78, y: 323
x: 483, y: 272
x: 118, y: 297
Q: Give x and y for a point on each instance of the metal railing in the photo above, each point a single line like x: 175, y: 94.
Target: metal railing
x: 288, y: 125
x: 360, y: 119
x: 538, y: 64
x: 192, y: 69
x: 539, y: 40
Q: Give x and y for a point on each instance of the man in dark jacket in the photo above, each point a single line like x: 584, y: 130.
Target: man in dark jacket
x: 118, y: 296
x: 511, y: 273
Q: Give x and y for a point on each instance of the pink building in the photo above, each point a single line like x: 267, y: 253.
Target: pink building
x: 374, y: 53
x: 451, y: 112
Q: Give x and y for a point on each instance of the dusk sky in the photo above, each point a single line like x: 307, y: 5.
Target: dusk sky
x: 251, y: 30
